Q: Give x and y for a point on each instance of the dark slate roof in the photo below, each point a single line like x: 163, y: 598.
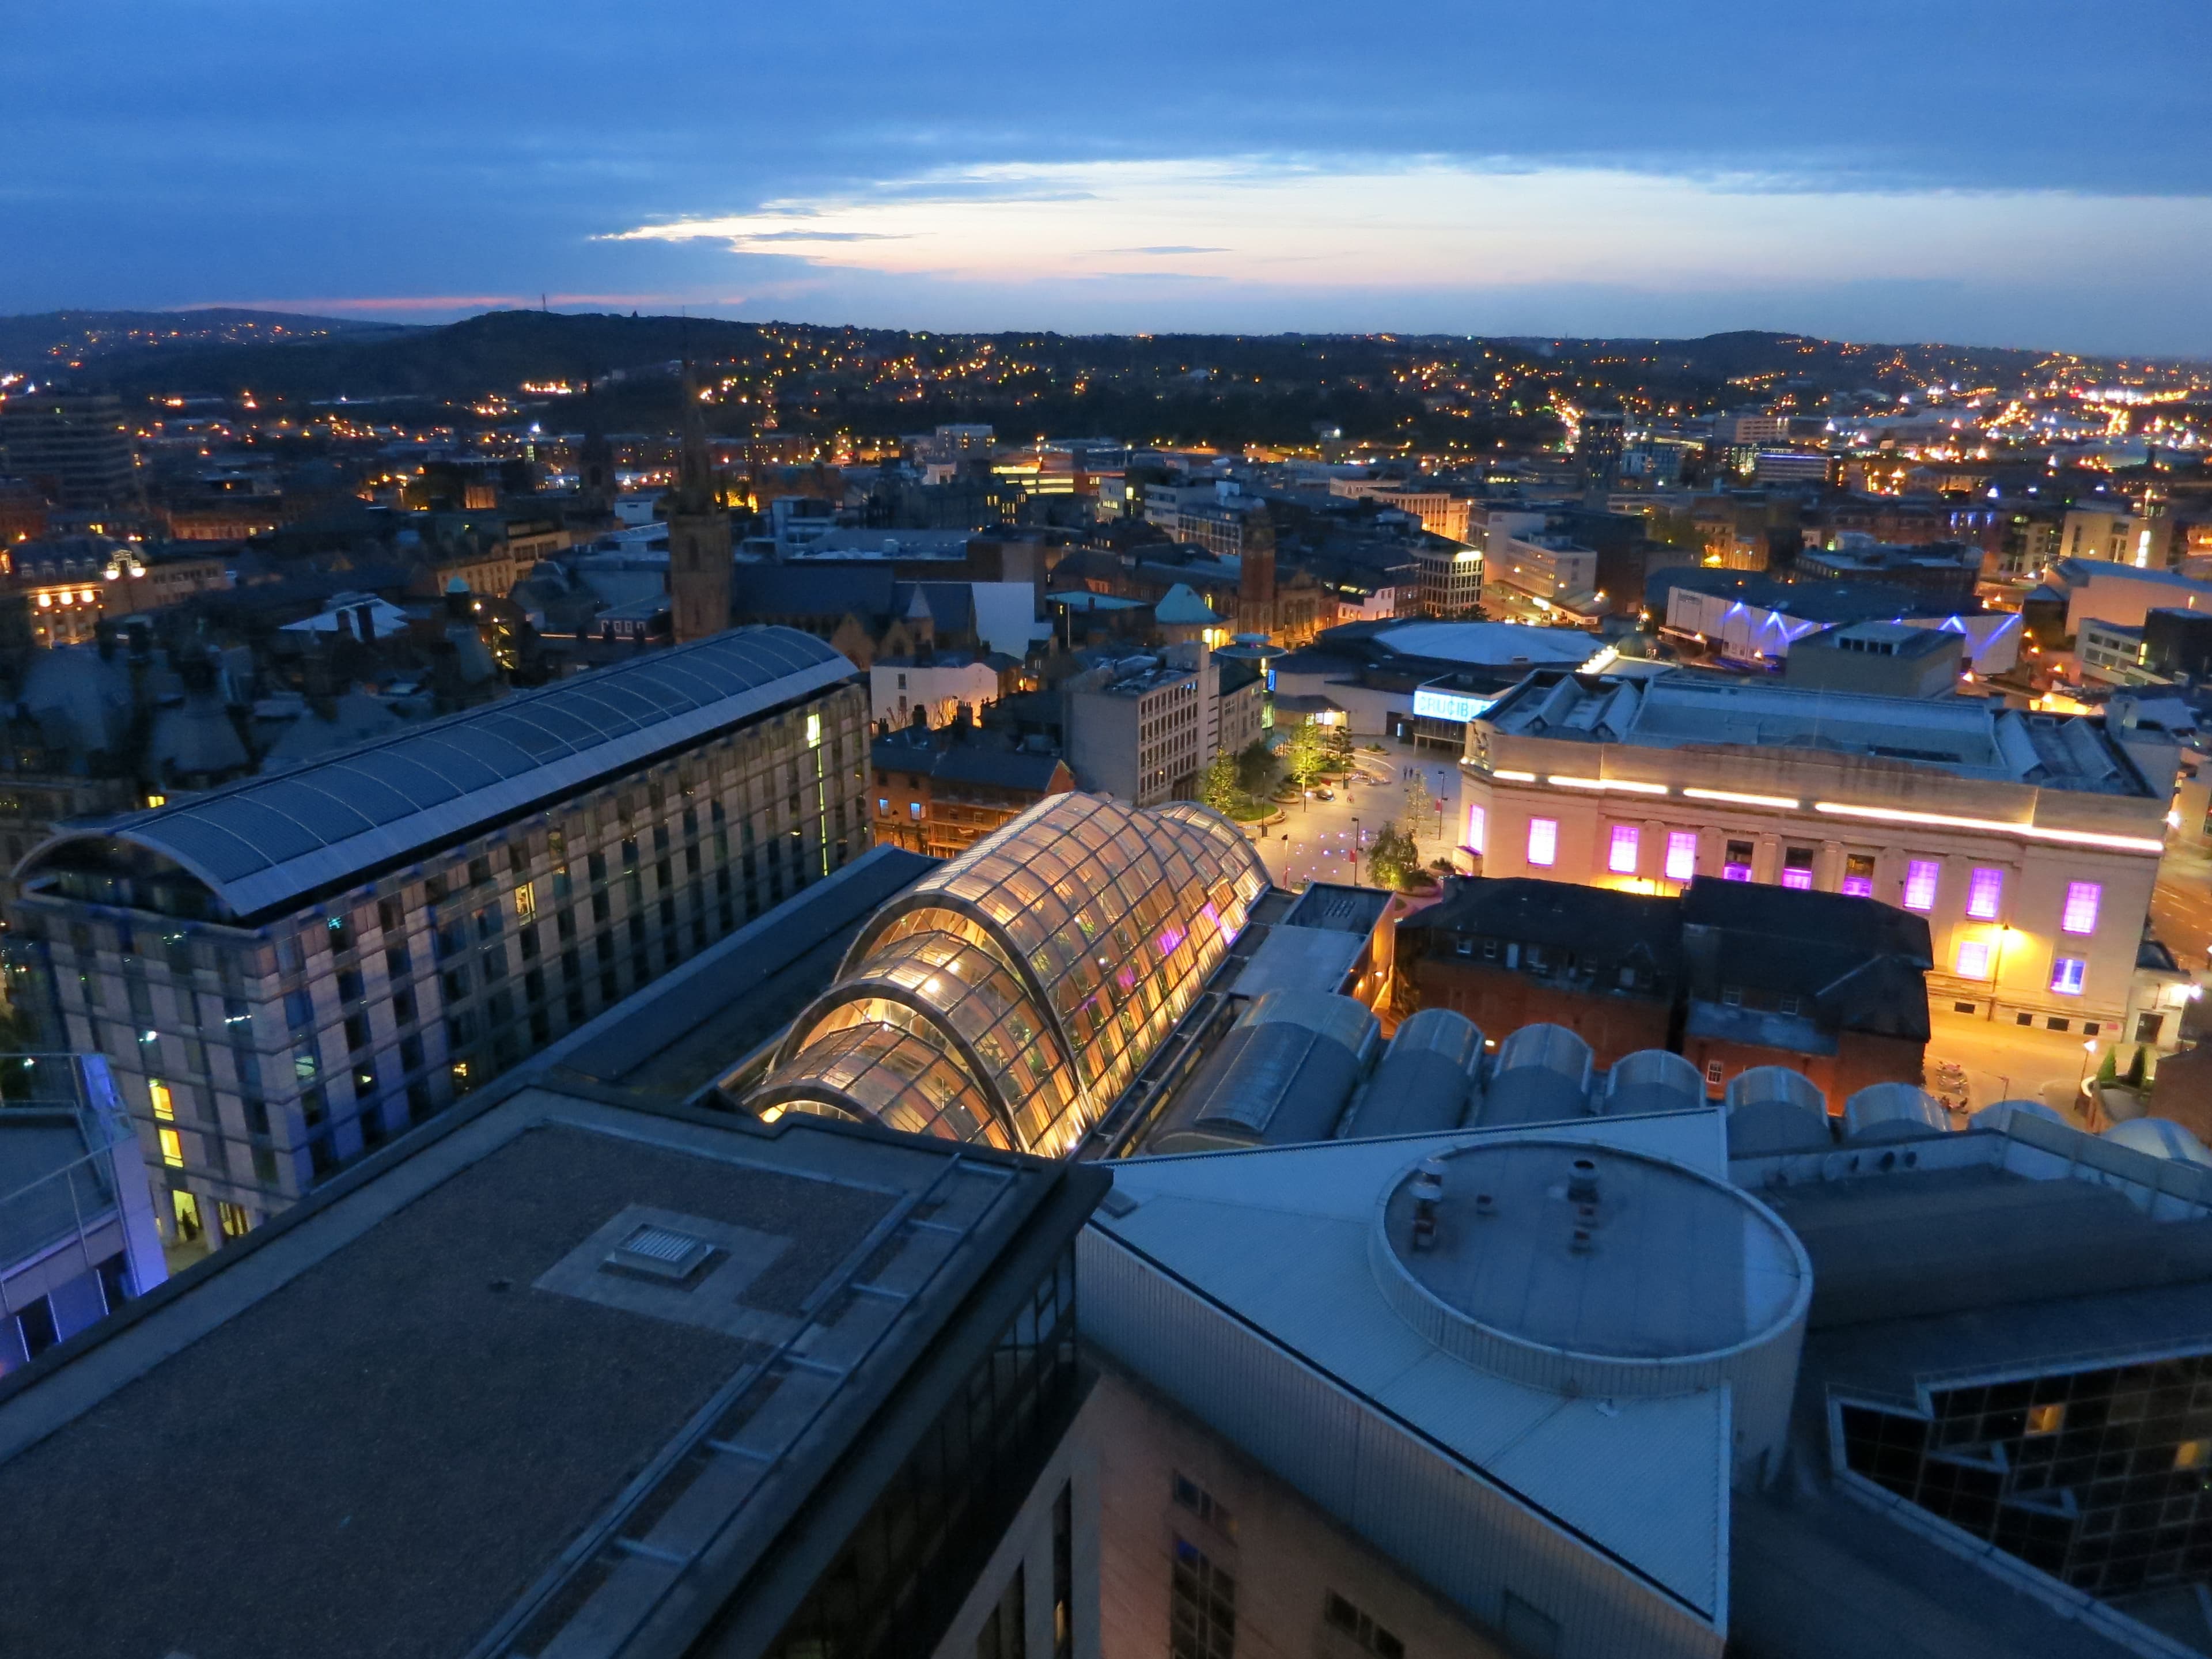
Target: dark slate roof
x: 781, y: 590
x: 980, y: 762
x: 263, y: 843
x: 1858, y: 962
x: 1595, y: 922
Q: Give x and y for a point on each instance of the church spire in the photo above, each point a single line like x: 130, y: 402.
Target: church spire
x: 695, y: 475
x: 698, y: 532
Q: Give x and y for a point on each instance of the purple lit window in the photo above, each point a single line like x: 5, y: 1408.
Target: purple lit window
x: 1620, y: 859
x: 1985, y: 888
x: 1920, y: 884
x: 2079, y: 915
x: 1797, y: 868
x: 1737, y: 865
x: 2067, y: 975
x: 1169, y: 938
x: 1543, y: 841
x: 1477, y: 822
x: 1800, y: 879
x: 1974, y: 959
x: 1681, y: 854
x: 1859, y: 886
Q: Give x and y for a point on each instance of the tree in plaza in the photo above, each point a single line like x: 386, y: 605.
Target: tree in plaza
x: 1420, y: 803
x: 1305, y: 753
x: 1258, y: 771
x: 1340, y: 744
x: 1219, y: 788
x: 1392, y: 860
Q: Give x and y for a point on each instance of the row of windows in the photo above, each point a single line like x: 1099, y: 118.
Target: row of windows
x: 1985, y: 884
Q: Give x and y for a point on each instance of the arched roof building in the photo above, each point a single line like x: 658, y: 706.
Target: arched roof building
x: 1011, y: 994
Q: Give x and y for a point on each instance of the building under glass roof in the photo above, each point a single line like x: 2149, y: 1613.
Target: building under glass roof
x: 1010, y: 995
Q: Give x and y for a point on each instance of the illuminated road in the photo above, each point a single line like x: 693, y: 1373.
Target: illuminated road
x: 1314, y: 842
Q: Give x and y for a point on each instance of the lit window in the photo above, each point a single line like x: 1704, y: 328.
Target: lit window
x: 2192, y: 1454
x: 1920, y: 884
x: 1713, y: 1073
x: 1858, y: 875
x: 1797, y: 868
x: 172, y: 1149
x: 1974, y: 960
x: 1478, y: 822
x: 1984, y: 888
x: 883, y: 806
x: 913, y: 811
x: 1621, y: 859
x: 1736, y: 866
x: 1681, y: 854
x: 1543, y: 841
x: 2079, y: 915
x: 2045, y: 1419
x: 163, y: 1106
x: 2067, y: 975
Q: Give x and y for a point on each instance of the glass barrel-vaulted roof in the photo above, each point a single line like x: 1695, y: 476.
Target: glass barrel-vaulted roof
x: 262, y: 844
x: 1045, y: 963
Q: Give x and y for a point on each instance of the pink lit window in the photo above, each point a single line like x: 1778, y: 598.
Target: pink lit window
x: 1478, y: 821
x: 1920, y: 884
x: 1797, y: 868
x: 2068, y: 975
x: 1543, y: 841
x: 2079, y: 915
x: 1858, y: 875
x: 1974, y: 960
x: 1681, y: 854
x: 1985, y: 888
x: 1620, y: 856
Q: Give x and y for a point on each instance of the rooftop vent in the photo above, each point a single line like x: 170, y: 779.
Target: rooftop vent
x: 660, y: 1253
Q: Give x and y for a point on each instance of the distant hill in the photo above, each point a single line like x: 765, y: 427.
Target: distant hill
x: 494, y: 352
x: 53, y: 341
x: 1435, y: 390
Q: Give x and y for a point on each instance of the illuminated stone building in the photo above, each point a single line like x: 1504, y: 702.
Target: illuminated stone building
x: 698, y: 535
x: 286, y: 970
x: 1010, y: 996
x: 2030, y: 844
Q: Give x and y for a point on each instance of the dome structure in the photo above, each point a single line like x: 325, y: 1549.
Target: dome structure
x: 1588, y: 1270
x: 2161, y: 1137
x: 1999, y: 1114
x: 1281, y: 1075
x: 1425, y: 1080
x: 1011, y: 994
x: 1893, y: 1111
x: 1651, y: 1080
x: 1773, y: 1108
x: 1542, y: 1075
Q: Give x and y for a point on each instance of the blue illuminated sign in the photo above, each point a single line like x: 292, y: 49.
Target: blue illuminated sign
x: 1429, y: 703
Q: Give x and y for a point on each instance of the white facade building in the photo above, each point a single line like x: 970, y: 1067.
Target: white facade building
x: 2030, y: 842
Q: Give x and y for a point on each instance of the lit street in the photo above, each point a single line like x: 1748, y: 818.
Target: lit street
x: 1314, y: 839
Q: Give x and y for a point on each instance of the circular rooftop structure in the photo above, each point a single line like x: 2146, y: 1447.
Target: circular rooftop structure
x: 1589, y: 1270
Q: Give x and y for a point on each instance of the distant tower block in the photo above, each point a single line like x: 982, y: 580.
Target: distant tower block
x: 698, y: 534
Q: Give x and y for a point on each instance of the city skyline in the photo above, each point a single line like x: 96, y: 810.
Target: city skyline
x: 1892, y: 177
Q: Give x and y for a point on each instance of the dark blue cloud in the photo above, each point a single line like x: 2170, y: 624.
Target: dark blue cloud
x: 243, y: 150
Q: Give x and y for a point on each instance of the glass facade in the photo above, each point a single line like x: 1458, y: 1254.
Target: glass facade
x: 2101, y: 1477
x: 908, y: 1564
x: 1011, y: 994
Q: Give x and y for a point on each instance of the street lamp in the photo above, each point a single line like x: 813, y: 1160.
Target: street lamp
x: 1356, y: 839
x: 2089, y: 1049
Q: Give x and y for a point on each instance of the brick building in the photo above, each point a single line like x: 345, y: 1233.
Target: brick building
x: 940, y: 791
x: 1729, y: 974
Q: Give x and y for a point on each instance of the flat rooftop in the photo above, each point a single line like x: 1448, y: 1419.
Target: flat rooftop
x: 463, y: 1401
x: 1969, y: 736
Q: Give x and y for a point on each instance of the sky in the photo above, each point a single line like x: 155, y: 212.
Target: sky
x: 1981, y: 172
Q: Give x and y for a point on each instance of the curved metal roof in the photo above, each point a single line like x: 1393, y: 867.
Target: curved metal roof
x: 263, y: 843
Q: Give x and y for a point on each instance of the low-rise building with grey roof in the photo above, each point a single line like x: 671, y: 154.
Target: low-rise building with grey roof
x: 571, y: 1378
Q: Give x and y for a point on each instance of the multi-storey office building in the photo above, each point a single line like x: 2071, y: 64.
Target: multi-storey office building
x: 2030, y: 844
x: 74, y: 449
x: 287, y: 970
